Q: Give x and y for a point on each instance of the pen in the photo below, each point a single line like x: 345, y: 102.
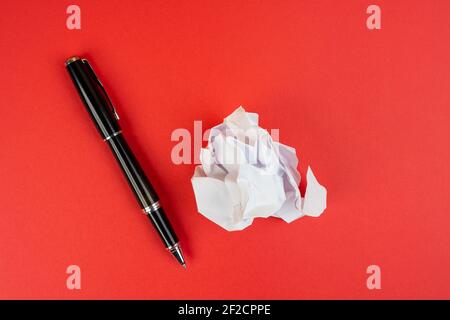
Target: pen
x: 105, y: 117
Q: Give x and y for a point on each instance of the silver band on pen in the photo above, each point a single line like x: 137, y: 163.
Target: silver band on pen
x: 113, y: 135
x: 152, y: 208
x: 173, y: 248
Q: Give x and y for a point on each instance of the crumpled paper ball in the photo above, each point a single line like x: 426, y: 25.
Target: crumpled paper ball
x: 244, y: 175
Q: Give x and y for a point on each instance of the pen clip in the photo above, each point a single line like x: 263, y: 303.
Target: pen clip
x: 94, y: 76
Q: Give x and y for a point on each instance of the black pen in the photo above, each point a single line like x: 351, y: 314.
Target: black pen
x: 106, y: 119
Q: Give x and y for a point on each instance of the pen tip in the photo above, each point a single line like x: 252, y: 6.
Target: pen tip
x: 176, y: 251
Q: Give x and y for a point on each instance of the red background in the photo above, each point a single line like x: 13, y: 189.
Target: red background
x: 367, y: 109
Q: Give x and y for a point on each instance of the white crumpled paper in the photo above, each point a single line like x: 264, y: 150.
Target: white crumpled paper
x: 244, y: 174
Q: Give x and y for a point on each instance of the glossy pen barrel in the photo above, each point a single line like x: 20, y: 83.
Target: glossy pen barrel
x: 142, y: 188
x: 94, y: 97
x: 136, y: 178
x: 105, y: 117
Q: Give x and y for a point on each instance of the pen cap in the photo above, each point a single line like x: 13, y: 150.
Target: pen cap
x: 94, y: 96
